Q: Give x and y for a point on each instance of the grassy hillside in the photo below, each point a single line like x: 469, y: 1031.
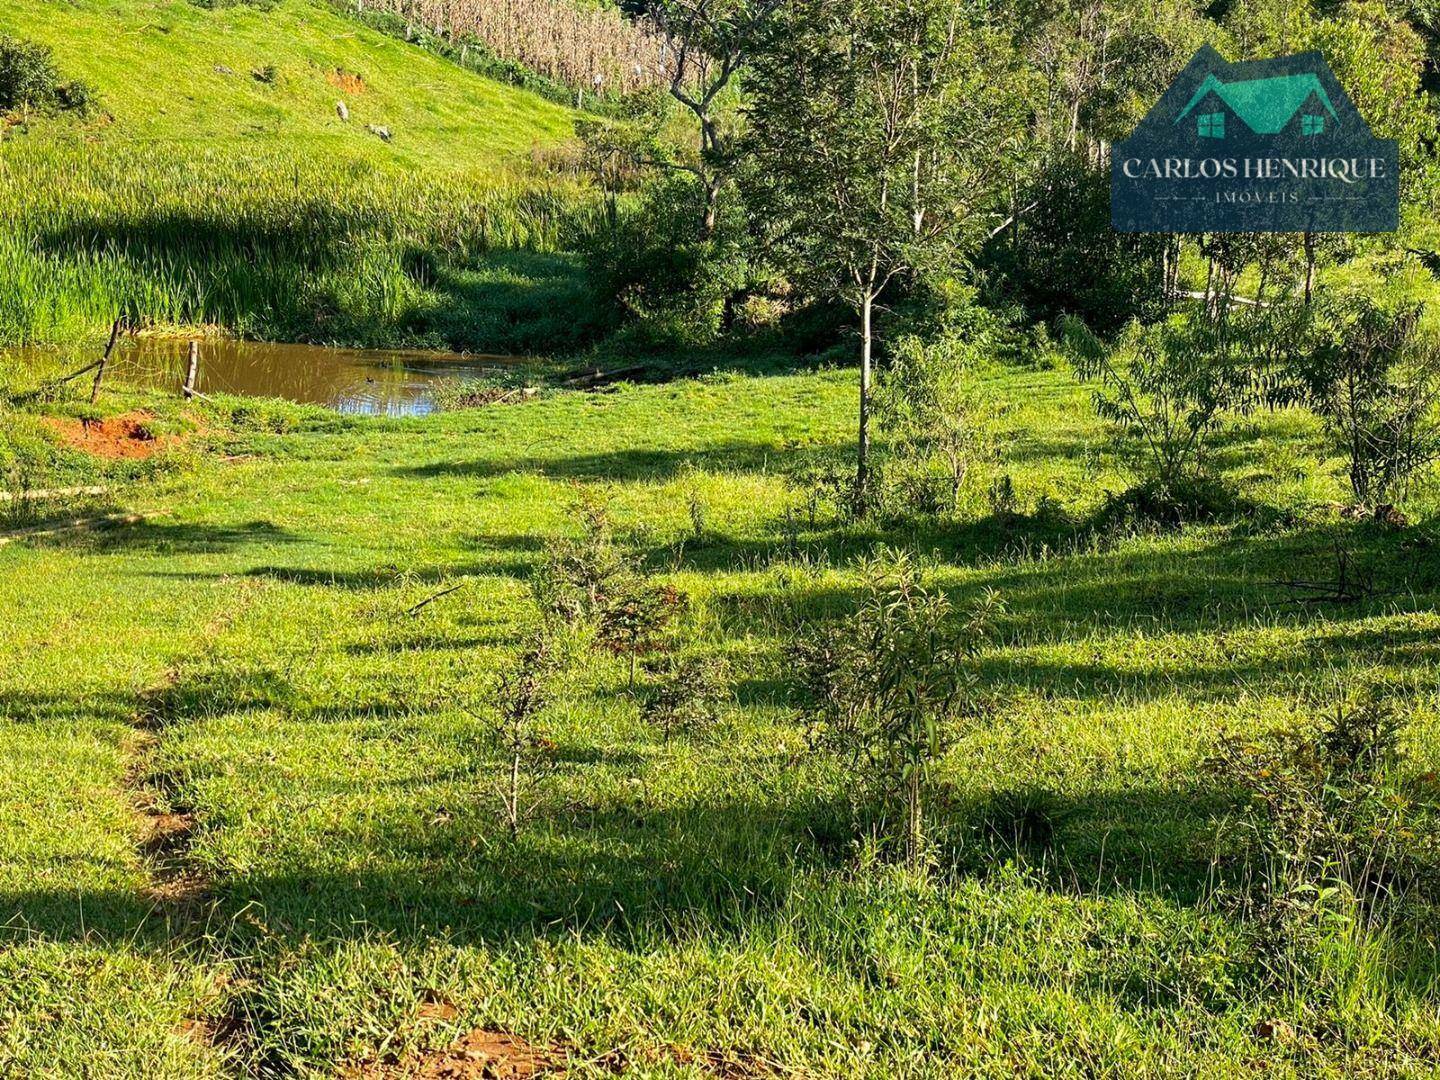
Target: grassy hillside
x: 343, y: 890
x: 219, y: 185
x: 159, y: 69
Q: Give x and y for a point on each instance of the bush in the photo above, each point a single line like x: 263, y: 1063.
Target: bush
x: 935, y: 424
x: 689, y: 696
x: 1324, y: 819
x: 1166, y: 388
x: 675, y: 286
x: 578, y: 575
x: 29, y: 81
x: 1374, y: 380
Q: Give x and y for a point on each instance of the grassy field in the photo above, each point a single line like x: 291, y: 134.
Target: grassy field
x: 341, y: 891
x: 217, y: 184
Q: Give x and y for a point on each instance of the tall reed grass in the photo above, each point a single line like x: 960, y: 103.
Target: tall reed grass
x: 267, y: 244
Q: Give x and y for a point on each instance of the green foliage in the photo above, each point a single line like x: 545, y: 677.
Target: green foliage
x: 674, y: 284
x: 578, y: 575
x: 1325, y: 822
x: 30, y: 82
x: 1374, y: 378
x: 1064, y: 258
x: 690, y: 695
x: 935, y: 423
x: 887, y: 684
x: 1168, y: 389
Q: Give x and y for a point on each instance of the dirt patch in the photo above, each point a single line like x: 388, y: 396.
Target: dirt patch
x: 126, y: 437
x: 480, y: 1055
x: 347, y: 82
x: 484, y: 1054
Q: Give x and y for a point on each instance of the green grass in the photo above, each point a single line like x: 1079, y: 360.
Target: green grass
x: 704, y: 894
x: 202, y: 195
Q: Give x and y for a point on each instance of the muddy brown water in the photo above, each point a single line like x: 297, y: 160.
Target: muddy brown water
x: 381, y: 382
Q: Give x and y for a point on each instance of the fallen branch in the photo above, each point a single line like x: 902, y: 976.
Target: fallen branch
x: 431, y: 599
x: 597, y: 378
x: 55, y: 384
x: 110, y: 521
x: 50, y: 493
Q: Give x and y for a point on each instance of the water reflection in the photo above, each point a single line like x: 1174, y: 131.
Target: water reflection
x: 379, y: 382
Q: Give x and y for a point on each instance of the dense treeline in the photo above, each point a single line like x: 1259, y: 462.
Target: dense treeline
x: 901, y: 161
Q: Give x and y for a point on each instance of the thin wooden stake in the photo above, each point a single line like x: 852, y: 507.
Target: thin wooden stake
x: 194, y: 371
x: 100, y: 368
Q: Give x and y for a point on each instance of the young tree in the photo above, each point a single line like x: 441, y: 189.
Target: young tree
x: 886, y: 685
x: 1374, y: 379
x: 709, y: 41
x: 520, y: 698
x: 935, y: 421
x: 878, y: 130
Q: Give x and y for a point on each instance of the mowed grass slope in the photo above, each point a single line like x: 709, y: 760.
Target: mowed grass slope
x: 161, y: 71
x: 218, y: 184
x: 672, y: 907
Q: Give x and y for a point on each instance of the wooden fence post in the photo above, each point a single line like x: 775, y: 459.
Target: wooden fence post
x: 194, y: 370
x: 104, y: 359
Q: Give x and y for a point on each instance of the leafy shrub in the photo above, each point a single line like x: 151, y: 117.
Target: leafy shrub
x: 934, y: 421
x: 29, y: 81
x: 1324, y: 820
x: 885, y: 686
x: 1374, y: 380
x: 592, y: 581
x: 674, y: 285
x: 689, y: 697
x: 1167, y: 389
x: 577, y: 575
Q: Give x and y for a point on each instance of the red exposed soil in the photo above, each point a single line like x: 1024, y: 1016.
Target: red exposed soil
x: 127, y: 436
x: 348, y: 82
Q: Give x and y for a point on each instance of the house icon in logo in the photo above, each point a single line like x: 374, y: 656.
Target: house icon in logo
x: 1258, y: 146
x: 1297, y: 104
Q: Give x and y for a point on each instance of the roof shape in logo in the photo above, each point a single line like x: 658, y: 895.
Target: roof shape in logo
x: 1266, y: 105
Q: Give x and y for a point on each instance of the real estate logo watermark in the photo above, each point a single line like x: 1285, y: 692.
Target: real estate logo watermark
x: 1266, y: 146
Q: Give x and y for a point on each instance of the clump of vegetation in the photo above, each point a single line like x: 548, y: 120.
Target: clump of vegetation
x: 593, y: 581
x: 454, y: 395
x: 886, y: 686
x: 30, y: 82
x: 935, y: 421
x: 1325, y: 825
x: 690, y: 696
x: 1374, y: 380
x: 634, y: 617
x: 1169, y: 389
x: 578, y: 575
x: 673, y: 284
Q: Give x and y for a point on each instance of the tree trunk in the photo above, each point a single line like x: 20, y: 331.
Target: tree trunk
x: 862, y: 465
x: 1309, y: 266
x: 712, y: 208
x: 512, y: 807
x: 914, y: 821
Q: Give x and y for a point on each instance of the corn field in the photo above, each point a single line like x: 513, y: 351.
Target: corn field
x: 590, y: 48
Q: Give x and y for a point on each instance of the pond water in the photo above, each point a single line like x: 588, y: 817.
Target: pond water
x: 381, y: 382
